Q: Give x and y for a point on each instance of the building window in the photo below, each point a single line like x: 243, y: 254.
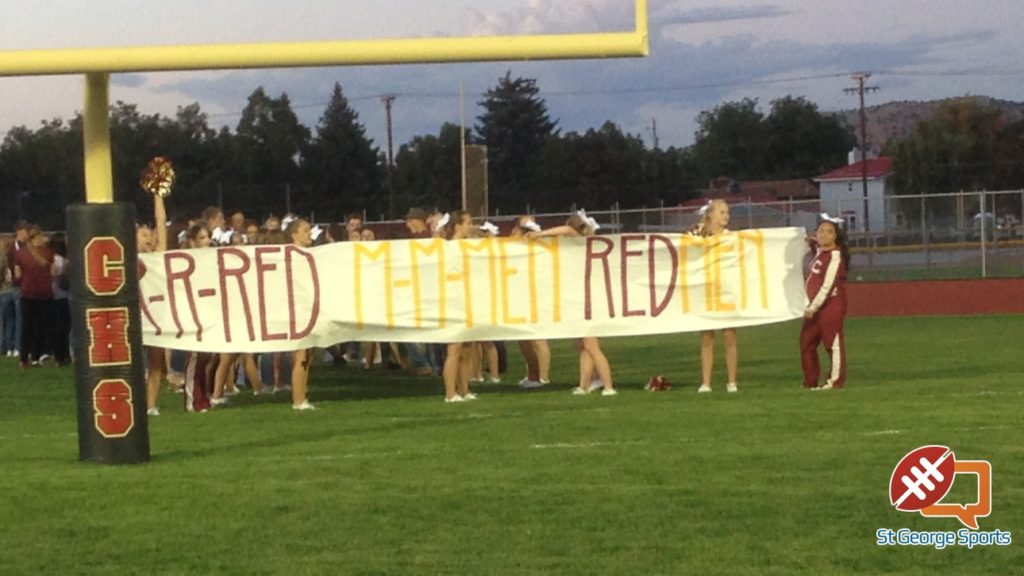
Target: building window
x: 849, y: 187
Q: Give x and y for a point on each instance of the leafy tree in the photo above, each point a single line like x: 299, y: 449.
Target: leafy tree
x: 269, y: 138
x: 731, y: 140
x: 514, y: 126
x: 428, y: 171
x: 801, y: 141
x: 41, y: 172
x: 341, y: 167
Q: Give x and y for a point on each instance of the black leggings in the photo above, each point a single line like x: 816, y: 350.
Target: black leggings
x: 36, y: 328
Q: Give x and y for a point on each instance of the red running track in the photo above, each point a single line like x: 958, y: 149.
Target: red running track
x: 935, y: 297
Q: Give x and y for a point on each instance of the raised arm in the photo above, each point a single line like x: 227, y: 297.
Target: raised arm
x: 160, y: 223
x: 556, y: 231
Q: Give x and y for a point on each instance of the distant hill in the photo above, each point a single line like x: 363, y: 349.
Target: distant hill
x: 896, y: 120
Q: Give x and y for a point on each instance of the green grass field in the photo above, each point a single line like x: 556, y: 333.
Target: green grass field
x: 387, y: 479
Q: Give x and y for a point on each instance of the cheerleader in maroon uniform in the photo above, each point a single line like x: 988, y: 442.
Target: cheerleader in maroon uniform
x: 826, y: 292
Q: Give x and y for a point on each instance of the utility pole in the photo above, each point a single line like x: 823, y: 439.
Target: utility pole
x: 654, y: 132
x: 860, y: 78
x: 388, y: 100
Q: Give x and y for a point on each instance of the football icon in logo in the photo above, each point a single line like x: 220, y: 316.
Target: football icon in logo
x: 922, y: 478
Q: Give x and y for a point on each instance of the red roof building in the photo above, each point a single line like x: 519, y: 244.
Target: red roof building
x: 877, y: 168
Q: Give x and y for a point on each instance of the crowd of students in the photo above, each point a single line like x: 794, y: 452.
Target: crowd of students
x: 36, y: 318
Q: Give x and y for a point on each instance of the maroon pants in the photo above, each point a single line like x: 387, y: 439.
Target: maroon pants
x: 824, y: 327
x: 197, y: 393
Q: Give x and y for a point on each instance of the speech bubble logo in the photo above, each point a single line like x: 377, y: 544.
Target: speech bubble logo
x: 968, y: 514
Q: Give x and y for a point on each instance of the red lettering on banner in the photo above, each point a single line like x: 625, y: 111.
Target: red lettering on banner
x: 592, y: 255
x: 261, y: 269
x: 314, y: 312
x: 658, y: 307
x: 626, y: 253
x: 113, y: 414
x: 185, y: 276
x: 143, y: 307
x: 108, y: 337
x: 237, y: 274
x: 104, y: 266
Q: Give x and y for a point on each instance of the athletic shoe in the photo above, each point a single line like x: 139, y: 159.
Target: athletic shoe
x: 233, y: 392
x: 595, y: 385
x: 492, y: 380
x: 527, y: 384
x: 266, y: 390
x: 455, y: 398
x: 218, y: 402
x: 476, y: 379
x: 731, y: 387
x: 285, y: 388
x: 44, y: 358
x: 154, y: 411
x: 577, y: 391
x: 304, y: 406
x: 827, y: 386
x: 609, y: 392
x: 469, y: 396
x: 704, y: 388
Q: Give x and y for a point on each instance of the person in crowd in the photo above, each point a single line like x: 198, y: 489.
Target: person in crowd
x: 592, y: 358
x: 354, y: 223
x: 238, y: 222
x: 14, y: 325
x: 199, y: 365
x: 714, y: 220
x: 299, y: 232
x: 826, y: 309
x: 272, y: 224
x: 33, y: 267
x: 61, y: 337
x: 416, y: 223
x: 8, y: 344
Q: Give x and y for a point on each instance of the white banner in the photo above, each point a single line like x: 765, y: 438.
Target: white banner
x: 276, y: 298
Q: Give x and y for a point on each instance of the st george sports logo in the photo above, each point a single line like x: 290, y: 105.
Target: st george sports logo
x: 919, y: 483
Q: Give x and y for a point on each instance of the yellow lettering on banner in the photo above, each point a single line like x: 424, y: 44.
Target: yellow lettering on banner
x: 471, y: 246
x: 428, y: 248
x: 714, y: 249
x: 506, y: 273
x: 757, y: 237
x: 721, y: 248
x: 551, y: 246
x: 685, y: 241
x: 383, y: 250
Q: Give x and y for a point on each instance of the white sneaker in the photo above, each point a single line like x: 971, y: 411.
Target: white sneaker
x: 595, y: 385
x: 476, y: 379
x: 469, y: 396
x: 455, y: 398
x: 827, y: 386
x: 526, y: 384
x: 285, y: 388
x: 304, y: 406
x: 731, y: 387
x: 577, y: 391
x: 492, y: 380
x: 154, y: 411
x: 609, y: 392
x: 704, y: 388
x: 233, y: 392
x: 44, y: 358
x: 218, y: 402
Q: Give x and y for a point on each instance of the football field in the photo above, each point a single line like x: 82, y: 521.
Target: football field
x: 385, y: 478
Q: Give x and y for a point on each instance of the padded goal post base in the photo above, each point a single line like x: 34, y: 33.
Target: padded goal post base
x: 107, y: 335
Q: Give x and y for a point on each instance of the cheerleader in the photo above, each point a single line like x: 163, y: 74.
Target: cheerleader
x: 592, y: 358
x: 155, y: 357
x: 300, y: 233
x: 826, y: 293
x: 457, y: 363
x: 714, y: 220
x: 198, y: 366
x: 536, y: 353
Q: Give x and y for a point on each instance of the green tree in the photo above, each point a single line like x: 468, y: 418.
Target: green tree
x: 41, y: 172
x: 269, y: 139
x: 731, y: 140
x: 801, y: 141
x: 341, y: 167
x: 514, y: 126
x: 428, y: 170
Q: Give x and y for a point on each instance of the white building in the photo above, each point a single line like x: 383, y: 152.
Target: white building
x: 842, y: 194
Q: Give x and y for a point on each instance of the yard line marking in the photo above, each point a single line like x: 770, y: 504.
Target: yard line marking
x: 570, y: 445
x: 883, y: 433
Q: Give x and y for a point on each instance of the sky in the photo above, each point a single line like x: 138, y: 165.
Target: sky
x: 703, y: 53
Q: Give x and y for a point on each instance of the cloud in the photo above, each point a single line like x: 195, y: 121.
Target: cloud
x: 128, y: 80
x: 553, y: 17
x: 678, y: 14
